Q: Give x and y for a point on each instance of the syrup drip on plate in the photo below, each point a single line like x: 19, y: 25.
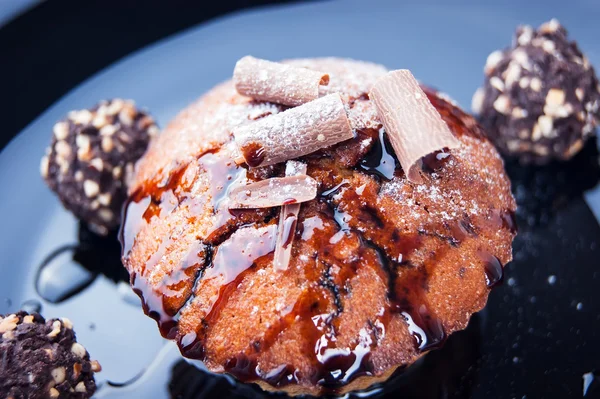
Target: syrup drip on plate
x: 60, y: 277
x: 72, y: 268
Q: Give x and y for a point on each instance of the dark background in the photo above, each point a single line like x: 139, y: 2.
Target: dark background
x: 56, y: 45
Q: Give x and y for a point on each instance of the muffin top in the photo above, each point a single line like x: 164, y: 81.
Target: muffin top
x: 381, y: 270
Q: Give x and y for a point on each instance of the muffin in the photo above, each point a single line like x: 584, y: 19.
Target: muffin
x: 381, y: 268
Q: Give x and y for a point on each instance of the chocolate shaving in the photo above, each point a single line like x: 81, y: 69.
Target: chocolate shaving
x: 278, y: 83
x: 295, y: 132
x: 412, y: 123
x: 273, y: 192
x: 288, y: 218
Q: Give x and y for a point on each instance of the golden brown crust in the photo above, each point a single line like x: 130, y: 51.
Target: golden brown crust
x: 369, y: 253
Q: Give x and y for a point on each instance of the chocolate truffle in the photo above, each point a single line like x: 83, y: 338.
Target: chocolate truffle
x: 540, y: 97
x: 42, y: 359
x: 91, y: 157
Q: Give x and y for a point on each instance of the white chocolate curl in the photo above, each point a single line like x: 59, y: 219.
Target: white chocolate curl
x: 413, y: 125
x: 293, y: 133
x: 273, y: 192
x: 288, y: 219
x: 277, y: 83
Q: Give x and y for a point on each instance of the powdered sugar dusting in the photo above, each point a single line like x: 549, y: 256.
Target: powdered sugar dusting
x: 278, y: 83
x: 438, y: 198
x: 208, y: 123
x: 354, y: 78
x: 259, y: 110
x: 295, y: 132
x: 363, y: 115
x: 273, y: 192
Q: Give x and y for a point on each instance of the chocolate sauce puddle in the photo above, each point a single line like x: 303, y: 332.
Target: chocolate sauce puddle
x: 380, y: 160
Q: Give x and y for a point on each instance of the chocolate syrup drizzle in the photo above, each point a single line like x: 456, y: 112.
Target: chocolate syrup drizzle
x: 380, y: 160
x: 254, y: 154
x: 220, y: 258
x: 146, y: 202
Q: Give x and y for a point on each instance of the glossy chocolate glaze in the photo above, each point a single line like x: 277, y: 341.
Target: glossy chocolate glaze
x: 358, y: 226
x: 380, y: 160
x: 440, y: 374
x: 254, y: 154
